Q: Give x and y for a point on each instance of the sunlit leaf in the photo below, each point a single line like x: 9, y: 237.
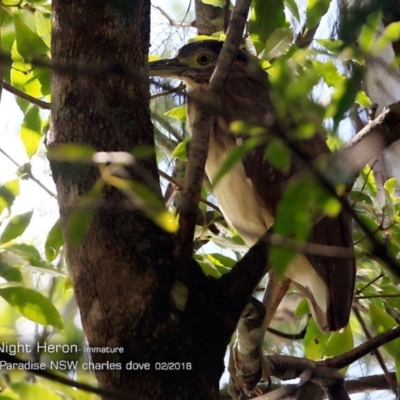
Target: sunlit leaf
x: 9, y: 272
x: 315, y: 341
x: 43, y: 26
x: 339, y: 343
x: 8, y: 191
x: 234, y: 156
x: 215, y: 3
x: 31, y: 131
x: 390, y: 185
x: 362, y: 99
x: 302, y: 308
x: 265, y: 18
x: 383, y: 322
x: 368, y: 177
x: 292, y: 6
x: 16, y: 226
x: 28, y: 253
x: 180, y: 151
x: 32, y: 305
x: 207, y: 266
x: 29, y: 44
x: 278, y: 155
x: 178, y: 113
x: 278, y: 44
x: 34, y: 391
x: 314, y: 11
x: 335, y: 46
x: 329, y: 73
x: 54, y: 241
x: 368, y: 34
x: 71, y: 153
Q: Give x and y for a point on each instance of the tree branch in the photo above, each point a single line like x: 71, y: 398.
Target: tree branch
x: 288, y: 367
x: 201, y: 132
x: 26, y: 96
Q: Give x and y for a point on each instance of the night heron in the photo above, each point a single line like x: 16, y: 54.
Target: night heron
x: 249, y: 193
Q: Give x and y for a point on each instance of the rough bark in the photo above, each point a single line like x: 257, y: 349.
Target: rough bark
x: 123, y: 270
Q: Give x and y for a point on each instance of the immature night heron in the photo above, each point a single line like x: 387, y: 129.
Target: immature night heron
x: 249, y: 193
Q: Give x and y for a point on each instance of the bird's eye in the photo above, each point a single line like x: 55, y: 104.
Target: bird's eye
x: 203, y: 59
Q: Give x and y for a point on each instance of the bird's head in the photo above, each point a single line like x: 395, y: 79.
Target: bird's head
x: 194, y: 63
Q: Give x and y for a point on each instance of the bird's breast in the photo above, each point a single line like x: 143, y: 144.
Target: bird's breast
x: 236, y: 196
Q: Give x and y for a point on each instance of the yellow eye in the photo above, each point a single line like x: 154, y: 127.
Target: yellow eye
x: 203, y: 58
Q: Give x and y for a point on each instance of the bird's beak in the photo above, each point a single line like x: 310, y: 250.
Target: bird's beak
x: 167, y: 68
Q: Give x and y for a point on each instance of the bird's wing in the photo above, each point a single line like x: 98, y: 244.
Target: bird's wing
x: 338, y: 273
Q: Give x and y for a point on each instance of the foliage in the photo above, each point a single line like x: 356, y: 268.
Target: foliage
x: 36, y: 287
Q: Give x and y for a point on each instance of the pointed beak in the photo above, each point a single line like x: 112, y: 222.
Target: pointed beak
x: 167, y: 68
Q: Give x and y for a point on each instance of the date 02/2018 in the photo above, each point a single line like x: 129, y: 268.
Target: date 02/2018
x: 173, y: 366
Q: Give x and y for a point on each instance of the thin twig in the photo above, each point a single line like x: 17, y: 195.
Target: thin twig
x: 25, y: 96
x: 291, y: 336
x: 179, y: 88
x: 171, y: 21
x: 376, y: 352
x: 30, y: 175
x: 179, y: 185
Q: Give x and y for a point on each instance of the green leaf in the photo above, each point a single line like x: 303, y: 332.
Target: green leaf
x: 29, y: 44
x: 390, y: 185
x: 215, y: 3
x: 314, y: 11
x: 278, y: 155
x: 334, y: 46
x: 339, y: 343
x: 383, y: 322
x: 54, y: 241
x: 368, y: 34
x: 9, y: 272
x: 208, y: 268
x: 390, y: 35
x: 78, y: 224
x: 8, y: 191
x: 302, y: 308
x: 180, y: 151
x: 146, y: 201
x: 234, y: 156
x: 28, y: 253
x: 43, y: 26
x: 265, y: 18
x: 368, y: 177
x: 362, y: 99
x: 293, y: 219
x: 72, y: 153
x: 329, y: 73
x: 278, y: 44
x: 34, y: 391
x: 178, y: 112
x: 315, y: 341
x: 16, y: 227
x: 32, y: 305
x: 292, y: 6
x: 31, y: 131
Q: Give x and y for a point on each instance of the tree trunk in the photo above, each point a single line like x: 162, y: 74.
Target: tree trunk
x: 123, y: 270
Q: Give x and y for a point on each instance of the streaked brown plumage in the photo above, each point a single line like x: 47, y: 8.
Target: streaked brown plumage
x: 249, y: 193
